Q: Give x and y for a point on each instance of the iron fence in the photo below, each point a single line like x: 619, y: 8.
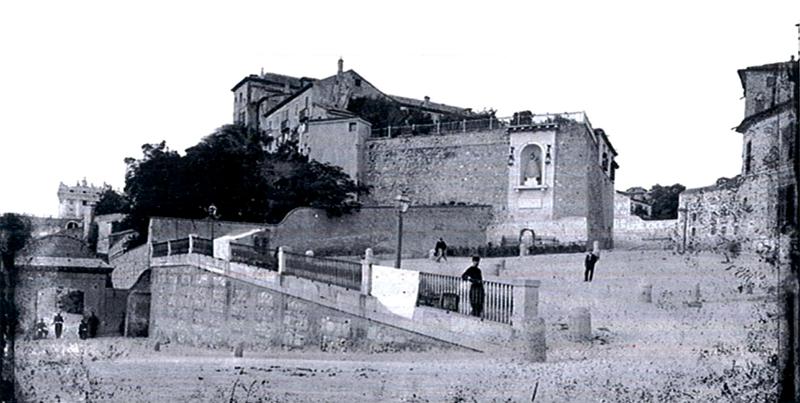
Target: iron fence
x: 343, y: 273
x: 473, y: 125
x: 179, y: 246
x: 457, y: 126
x: 203, y: 246
x: 452, y: 293
x: 161, y: 249
x: 250, y: 255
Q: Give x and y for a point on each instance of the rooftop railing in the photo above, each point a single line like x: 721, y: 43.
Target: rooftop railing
x: 476, y: 125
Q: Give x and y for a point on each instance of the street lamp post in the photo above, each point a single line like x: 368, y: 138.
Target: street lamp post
x: 402, y: 203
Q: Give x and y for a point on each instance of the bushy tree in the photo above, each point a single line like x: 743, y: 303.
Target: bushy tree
x: 664, y: 201
x: 233, y: 170
x: 111, y: 202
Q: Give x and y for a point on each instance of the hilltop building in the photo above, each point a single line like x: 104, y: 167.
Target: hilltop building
x: 76, y: 201
x: 549, y: 173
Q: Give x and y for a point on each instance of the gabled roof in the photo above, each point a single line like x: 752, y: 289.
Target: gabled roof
x: 430, y: 106
x: 287, y: 100
x: 273, y: 79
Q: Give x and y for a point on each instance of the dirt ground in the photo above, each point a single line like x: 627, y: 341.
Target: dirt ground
x: 660, y: 351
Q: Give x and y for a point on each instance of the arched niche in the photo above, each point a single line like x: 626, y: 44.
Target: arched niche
x: 531, y: 166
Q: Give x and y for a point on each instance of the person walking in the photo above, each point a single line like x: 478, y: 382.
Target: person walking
x: 441, y: 250
x: 589, y: 262
x: 41, y: 330
x: 58, y: 324
x: 476, y: 293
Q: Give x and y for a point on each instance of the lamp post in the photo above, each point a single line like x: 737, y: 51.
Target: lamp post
x: 402, y: 203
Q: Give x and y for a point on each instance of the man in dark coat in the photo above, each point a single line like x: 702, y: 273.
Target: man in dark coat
x: 93, y: 323
x: 476, y: 293
x: 441, y: 250
x: 58, y: 324
x: 589, y: 262
x: 83, y: 329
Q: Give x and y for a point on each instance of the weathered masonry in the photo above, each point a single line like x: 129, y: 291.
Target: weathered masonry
x: 201, y: 298
x: 550, y: 173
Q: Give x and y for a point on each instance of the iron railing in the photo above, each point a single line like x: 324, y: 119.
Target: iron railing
x: 452, y: 293
x: 161, y: 249
x: 179, y: 246
x: 203, y: 246
x: 473, y: 125
x: 250, y: 255
x: 343, y: 273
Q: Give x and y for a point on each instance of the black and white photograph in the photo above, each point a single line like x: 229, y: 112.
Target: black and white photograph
x: 417, y: 201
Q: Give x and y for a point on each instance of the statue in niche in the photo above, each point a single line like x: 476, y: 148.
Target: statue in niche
x: 533, y: 170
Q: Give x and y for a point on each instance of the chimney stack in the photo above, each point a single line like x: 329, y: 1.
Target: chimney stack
x: 341, y: 66
x: 427, y: 100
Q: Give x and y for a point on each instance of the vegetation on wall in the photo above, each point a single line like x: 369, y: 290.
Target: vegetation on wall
x: 233, y: 170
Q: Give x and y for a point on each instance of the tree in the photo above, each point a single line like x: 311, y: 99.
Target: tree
x: 664, y: 201
x: 234, y: 170
x: 15, y: 232
x: 111, y: 202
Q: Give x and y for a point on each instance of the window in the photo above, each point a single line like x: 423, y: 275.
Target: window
x: 786, y: 206
x: 531, y: 166
x: 358, y: 82
x: 604, y: 162
x: 352, y: 126
x: 694, y: 217
x: 693, y: 231
x: 771, y: 81
x: 748, y: 149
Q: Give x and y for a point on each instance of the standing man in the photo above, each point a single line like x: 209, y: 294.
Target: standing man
x: 93, y: 323
x: 589, y: 262
x: 441, y: 250
x: 476, y: 293
x: 58, y: 323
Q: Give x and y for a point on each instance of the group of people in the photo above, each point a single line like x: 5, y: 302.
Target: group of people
x: 86, y: 329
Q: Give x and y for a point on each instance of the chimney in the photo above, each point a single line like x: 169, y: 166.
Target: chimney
x: 427, y: 100
x: 341, y: 66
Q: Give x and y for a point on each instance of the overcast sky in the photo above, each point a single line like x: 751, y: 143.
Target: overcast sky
x: 84, y: 84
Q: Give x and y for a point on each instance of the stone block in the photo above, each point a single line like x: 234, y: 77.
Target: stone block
x: 580, y: 324
x: 534, y: 340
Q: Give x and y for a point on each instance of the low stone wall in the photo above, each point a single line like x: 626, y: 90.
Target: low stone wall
x: 565, y: 230
x: 194, y: 306
x: 200, y: 300
x: 635, y: 233
x: 129, y: 266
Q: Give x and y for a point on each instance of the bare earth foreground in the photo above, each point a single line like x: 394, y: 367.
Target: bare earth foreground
x: 724, y: 350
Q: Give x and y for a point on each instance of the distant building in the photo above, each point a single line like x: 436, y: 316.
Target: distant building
x: 76, y: 201
x: 635, y: 201
x: 58, y: 273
